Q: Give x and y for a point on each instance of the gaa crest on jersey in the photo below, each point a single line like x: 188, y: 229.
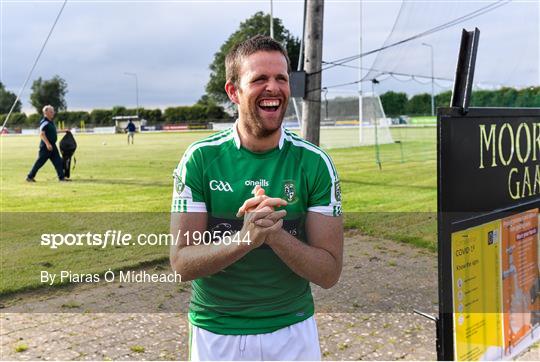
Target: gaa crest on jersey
x: 178, y: 184
x: 289, y: 191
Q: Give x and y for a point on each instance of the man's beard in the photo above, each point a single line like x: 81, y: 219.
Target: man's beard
x: 256, y: 125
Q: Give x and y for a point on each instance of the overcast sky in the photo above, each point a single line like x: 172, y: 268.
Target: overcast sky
x: 169, y: 44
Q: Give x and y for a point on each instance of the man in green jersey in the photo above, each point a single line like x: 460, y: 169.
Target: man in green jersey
x: 251, y: 273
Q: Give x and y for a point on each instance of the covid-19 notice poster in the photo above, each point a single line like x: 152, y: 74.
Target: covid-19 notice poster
x: 520, y: 280
x: 495, y: 280
x: 476, y: 285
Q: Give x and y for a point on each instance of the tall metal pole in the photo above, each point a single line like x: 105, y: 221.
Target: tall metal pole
x: 360, y: 73
x: 377, y: 149
x: 136, y: 89
x: 137, y: 94
x: 311, y: 108
x: 432, y: 80
x: 271, y: 19
x: 299, y: 67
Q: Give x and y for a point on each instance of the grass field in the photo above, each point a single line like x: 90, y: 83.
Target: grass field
x: 424, y: 120
x: 120, y: 186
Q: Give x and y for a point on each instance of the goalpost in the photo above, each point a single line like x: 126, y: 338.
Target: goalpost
x: 373, y: 126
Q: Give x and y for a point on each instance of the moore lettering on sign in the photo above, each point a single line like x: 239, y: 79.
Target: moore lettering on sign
x: 495, y: 158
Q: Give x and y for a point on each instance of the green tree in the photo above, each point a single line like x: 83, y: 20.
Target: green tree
x: 100, y: 117
x: 184, y: 114
x: 482, y: 98
x: 121, y: 111
x: 73, y: 119
x: 206, y: 101
x: 52, y: 91
x: 213, y: 110
x: 16, y: 119
x: 442, y: 100
x: 259, y: 23
x: 419, y: 104
x: 528, y: 97
x: 153, y: 116
x: 394, y: 103
x: 33, y: 120
x: 506, y: 97
x: 6, y: 100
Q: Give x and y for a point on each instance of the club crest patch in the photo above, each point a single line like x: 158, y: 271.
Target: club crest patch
x: 178, y: 184
x: 289, y: 191
x: 338, y: 191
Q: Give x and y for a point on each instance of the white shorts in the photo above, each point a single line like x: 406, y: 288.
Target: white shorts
x: 299, y: 341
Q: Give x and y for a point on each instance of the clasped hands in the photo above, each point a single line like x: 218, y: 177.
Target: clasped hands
x: 260, y: 217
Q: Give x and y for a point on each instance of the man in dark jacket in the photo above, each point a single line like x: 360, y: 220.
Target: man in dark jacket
x: 47, y: 146
x: 130, y: 131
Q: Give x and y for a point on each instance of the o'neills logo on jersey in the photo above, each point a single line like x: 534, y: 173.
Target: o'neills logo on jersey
x: 262, y: 182
x: 220, y: 186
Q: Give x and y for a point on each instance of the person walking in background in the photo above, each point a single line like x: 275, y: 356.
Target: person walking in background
x: 47, y: 146
x: 130, y: 131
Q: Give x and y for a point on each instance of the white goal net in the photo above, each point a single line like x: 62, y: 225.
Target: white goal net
x: 340, y: 130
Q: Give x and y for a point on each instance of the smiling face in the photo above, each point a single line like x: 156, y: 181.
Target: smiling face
x: 262, y: 92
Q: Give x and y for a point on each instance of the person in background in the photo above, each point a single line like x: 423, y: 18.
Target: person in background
x: 130, y: 131
x: 47, y: 146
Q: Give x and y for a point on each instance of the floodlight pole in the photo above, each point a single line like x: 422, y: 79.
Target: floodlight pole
x: 432, y: 80
x: 300, y: 64
x: 271, y: 19
x: 360, y: 104
x: 136, y: 90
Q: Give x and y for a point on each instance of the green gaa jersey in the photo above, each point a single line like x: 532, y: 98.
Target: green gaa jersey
x: 259, y: 293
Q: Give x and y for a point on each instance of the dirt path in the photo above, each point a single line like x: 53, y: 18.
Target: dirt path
x: 367, y: 316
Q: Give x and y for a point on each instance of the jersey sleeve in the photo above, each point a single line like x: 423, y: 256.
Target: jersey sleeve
x: 44, y: 126
x: 325, y: 190
x: 188, y: 195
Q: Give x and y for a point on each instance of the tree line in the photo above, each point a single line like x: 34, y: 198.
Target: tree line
x: 53, y: 92
x: 195, y: 114
x: 398, y: 103
x: 394, y: 104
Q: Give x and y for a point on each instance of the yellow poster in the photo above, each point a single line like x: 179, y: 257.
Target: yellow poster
x: 520, y: 278
x: 476, y: 283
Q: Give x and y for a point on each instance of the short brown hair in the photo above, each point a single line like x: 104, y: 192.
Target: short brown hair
x: 244, y: 49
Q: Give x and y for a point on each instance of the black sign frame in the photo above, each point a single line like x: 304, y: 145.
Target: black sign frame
x: 455, y: 216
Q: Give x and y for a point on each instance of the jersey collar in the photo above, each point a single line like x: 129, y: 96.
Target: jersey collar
x: 237, y: 136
